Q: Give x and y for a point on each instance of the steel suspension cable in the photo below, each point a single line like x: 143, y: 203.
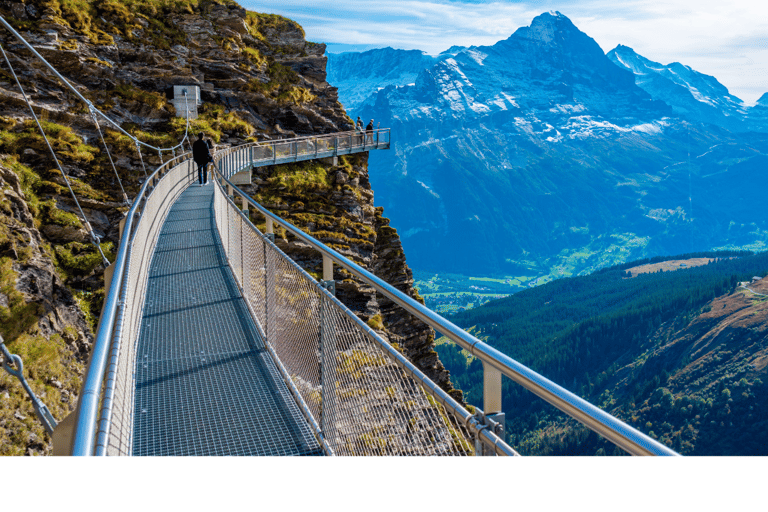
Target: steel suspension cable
x: 95, y: 239
x: 119, y: 181
x: 144, y: 167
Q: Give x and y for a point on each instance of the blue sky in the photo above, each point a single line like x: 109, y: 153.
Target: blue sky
x: 724, y: 38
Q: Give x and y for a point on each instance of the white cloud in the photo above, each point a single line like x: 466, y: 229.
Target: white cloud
x: 726, y: 39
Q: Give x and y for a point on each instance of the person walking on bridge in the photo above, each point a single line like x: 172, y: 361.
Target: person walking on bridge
x: 202, y: 156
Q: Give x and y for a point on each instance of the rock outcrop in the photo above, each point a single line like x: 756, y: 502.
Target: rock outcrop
x: 260, y: 80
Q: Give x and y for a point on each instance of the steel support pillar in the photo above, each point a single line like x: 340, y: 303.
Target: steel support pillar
x: 327, y: 282
x: 245, y: 206
x: 494, y: 418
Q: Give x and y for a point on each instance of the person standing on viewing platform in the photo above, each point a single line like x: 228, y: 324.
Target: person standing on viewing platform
x: 359, y: 131
x: 201, y: 153
x: 369, y: 132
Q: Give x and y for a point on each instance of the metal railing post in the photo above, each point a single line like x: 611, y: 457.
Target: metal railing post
x: 491, y: 389
x: 327, y: 282
x: 245, y: 206
x: 242, y: 254
x: 491, y: 403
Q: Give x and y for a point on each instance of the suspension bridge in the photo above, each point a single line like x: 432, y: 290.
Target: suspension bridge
x: 212, y: 341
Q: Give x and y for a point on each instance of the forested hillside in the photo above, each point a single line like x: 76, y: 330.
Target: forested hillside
x: 676, y: 354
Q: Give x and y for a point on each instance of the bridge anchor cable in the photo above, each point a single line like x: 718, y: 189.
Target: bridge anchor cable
x: 106, y: 148
x: 94, y: 238
x: 14, y: 366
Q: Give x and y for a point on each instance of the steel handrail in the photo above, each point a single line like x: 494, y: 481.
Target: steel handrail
x: 626, y: 437
x: 88, y: 405
x: 262, y: 144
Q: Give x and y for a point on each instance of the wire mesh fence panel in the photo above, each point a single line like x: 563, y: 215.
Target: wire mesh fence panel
x: 370, y: 406
x: 293, y: 316
x: 358, y: 139
x: 306, y: 147
x: 236, y: 253
x: 283, y: 149
x: 344, y: 141
x: 261, y: 153
x: 254, y: 273
x: 324, y: 145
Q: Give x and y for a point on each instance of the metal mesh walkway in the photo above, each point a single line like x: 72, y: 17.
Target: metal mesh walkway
x: 205, y: 382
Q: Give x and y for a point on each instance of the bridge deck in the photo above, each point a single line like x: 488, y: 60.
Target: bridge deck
x: 205, y: 383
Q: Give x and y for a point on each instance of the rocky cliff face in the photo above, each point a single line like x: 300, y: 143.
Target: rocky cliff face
x: 260, y: 80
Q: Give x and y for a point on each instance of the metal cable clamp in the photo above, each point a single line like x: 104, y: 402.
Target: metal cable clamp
x: 46, y: 418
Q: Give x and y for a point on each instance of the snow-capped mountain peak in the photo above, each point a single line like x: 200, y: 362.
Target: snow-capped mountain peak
x: 686, y: 90
x: 541, y: 142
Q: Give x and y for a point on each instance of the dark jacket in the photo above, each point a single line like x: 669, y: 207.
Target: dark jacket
x: 369, y: 128
x: 200, y: 152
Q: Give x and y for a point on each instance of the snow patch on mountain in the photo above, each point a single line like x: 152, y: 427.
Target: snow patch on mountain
x: 583, y: 127
x: 690, y: 93
x: 429, y: 189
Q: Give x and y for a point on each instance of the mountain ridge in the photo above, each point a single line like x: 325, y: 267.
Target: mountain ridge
x: 485, y: 140
x: 688, y: 92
